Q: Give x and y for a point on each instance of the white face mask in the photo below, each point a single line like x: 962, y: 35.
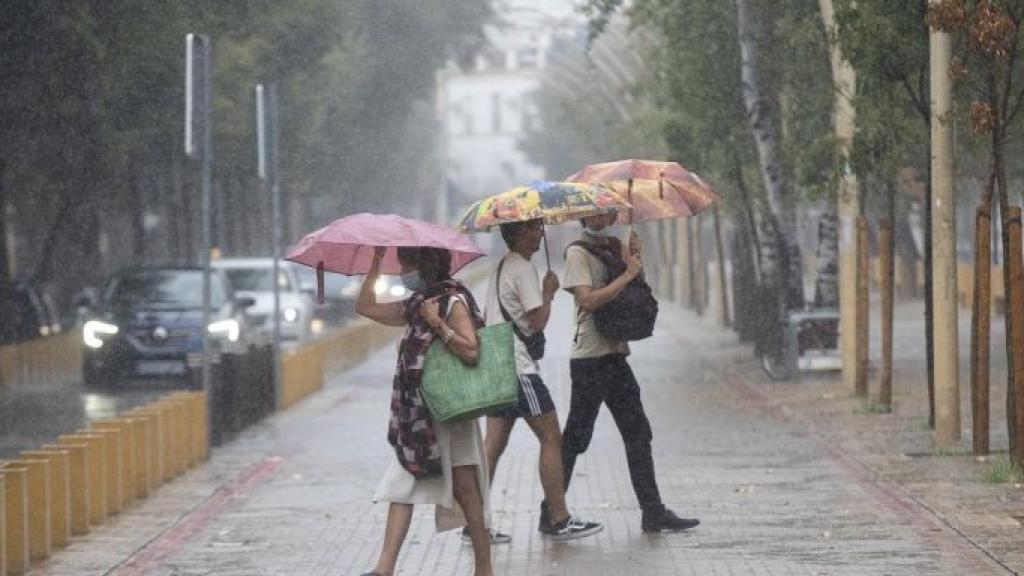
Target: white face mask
x: 605, y: 232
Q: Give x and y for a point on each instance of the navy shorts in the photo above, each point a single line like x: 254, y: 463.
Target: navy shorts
x: 534, y: 399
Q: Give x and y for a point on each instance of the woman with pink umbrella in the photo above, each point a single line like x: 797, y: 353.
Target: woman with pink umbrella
x: 436, y: 463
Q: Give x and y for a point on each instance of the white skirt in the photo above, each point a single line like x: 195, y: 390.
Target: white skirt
x: 461, y: 445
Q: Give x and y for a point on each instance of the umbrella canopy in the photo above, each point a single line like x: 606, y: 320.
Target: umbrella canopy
x: 554, y: 202
x: 347, y: 245
x: 655, y: 189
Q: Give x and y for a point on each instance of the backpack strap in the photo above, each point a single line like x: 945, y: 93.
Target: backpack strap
x: 504, y: 313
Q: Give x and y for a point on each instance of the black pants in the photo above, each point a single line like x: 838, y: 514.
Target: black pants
x: 609, y: 380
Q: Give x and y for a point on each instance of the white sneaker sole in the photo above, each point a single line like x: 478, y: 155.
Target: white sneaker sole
x: 576, y: 534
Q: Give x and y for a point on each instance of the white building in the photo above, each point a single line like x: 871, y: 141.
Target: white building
x: 489, y: 107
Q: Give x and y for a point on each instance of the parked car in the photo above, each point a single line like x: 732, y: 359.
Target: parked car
x: 149, y: 321
x: 253, y: 277
x: 26, y: 313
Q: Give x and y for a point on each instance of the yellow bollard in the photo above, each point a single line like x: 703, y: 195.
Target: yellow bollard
x: 177, y: 447
x: 151, y: 423
x: 168, y: 429
x: 96, y: 457
x: 199, y: 434
x: 60, y: 495
x: 114, y: 464
x: 3, y: 527
x: 78, y: 485
x: 126, y: 441
x: 38, y: 474
x: 187, y: 403
x: 16, y: 517
x: 140, y: 445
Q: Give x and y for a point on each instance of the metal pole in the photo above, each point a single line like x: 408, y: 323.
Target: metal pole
x: 275, y: 198
x: 199, y: 45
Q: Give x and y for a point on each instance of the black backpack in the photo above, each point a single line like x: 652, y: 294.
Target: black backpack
x: 632, y: 313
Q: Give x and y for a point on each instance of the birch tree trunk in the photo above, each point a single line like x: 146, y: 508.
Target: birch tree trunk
x: 844, y: 80
x: 762, y: 122
x: 782, y: 277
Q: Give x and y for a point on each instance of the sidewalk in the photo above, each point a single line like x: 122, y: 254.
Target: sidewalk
x: 776, y: 496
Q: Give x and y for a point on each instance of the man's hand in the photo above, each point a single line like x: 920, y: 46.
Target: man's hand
x: 635, y: 247
x: 634, y: 265
x: 551, y: 284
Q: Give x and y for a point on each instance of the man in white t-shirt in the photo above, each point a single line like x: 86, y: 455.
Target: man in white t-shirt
x: 600, y: 373
x: 516, y: 295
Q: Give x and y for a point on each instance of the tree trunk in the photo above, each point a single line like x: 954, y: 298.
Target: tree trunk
x: 723, y: 285
x: 844, y: 80
x: 947, y: 371
x: 784, y: 283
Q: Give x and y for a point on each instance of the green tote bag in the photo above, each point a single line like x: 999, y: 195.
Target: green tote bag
x: 454, y: 390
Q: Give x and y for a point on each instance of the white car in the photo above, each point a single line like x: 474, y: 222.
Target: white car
x: 253, y: 277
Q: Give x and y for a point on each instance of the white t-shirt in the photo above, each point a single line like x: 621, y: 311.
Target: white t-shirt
x: 520, y: 293
x: 584, y: 269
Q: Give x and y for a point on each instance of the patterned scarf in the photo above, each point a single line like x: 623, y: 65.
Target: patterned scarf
x: 411, y: 430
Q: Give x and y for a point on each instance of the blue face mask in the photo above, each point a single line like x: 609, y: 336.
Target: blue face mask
x: 413, y: 282
x: 602, y: 233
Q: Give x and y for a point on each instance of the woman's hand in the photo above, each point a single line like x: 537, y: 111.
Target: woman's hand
x: 430, y: 312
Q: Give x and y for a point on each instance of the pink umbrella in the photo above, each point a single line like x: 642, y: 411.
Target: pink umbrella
x: 347, y: 245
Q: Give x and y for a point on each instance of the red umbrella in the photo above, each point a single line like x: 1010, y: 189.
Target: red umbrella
x: 347, y: 245
x: 655, y: 189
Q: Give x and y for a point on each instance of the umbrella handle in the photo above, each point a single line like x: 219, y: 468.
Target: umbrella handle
x: 547, y: 256
x: 320, y: 282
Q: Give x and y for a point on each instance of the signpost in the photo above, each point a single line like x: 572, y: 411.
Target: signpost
x: 199, y: 145
x: 267, y: 170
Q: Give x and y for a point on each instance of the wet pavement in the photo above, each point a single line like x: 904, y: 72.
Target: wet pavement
x: 292, y: 495
x: 34, y: 414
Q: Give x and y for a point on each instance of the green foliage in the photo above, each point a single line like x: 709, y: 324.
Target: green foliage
x: 1003, y: 471
x: 92, y: 109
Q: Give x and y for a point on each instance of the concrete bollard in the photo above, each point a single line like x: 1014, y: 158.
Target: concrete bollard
x: 96, y: 457
x: 78, y: 485
x: 15, y: 517
x: 126, y: 440
x: 60, y: 495
x: 38, y: 476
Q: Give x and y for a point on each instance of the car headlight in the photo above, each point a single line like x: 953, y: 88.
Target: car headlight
x: 94, y: 331
x: 290, y: 314
x: 226, y: 328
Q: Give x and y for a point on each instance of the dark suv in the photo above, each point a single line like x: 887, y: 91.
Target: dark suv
x: 150, y: 321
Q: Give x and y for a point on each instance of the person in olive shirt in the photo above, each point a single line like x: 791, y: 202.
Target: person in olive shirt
x: 601, y: 375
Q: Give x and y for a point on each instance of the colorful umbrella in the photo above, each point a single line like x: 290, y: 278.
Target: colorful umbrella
x: 655, y: 189
x: 554, y: 202
x: 347, y: 245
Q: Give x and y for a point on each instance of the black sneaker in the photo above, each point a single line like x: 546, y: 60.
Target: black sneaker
x: 666, y: 521
x: 545, y: 517
x: 571, y: 528
x: 496, y: 537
